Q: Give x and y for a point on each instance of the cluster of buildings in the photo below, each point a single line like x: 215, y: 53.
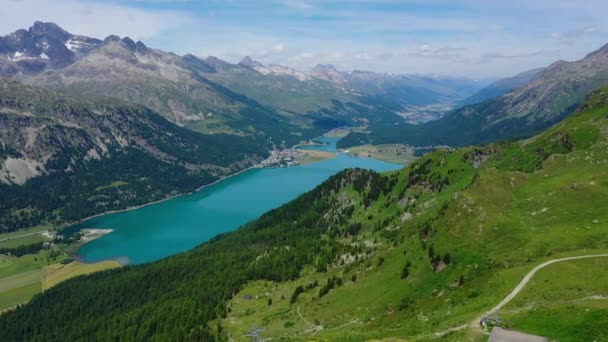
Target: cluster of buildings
x: 283, y: 158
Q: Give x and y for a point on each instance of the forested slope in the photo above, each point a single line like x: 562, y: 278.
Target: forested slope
x: 63, y: 158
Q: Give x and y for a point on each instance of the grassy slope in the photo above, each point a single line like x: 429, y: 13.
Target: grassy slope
x: 530, y: 201
x: 566, y: 300
x: 56, y: 273
x: 470, y: 223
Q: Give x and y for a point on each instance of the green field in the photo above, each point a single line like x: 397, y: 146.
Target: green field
x: 19, y: 288
x: 22, y: 237
x: 392, y: 153
x: 56, y: 273
x: 24, y: 276
x: 312, y: 156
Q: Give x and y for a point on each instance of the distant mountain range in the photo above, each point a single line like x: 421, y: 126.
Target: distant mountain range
x: 206, y: 94
x: 396, y: 89
x: 542, y: 99
x: 501, y: 87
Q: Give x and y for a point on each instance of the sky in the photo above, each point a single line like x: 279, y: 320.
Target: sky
x: 472, y: 38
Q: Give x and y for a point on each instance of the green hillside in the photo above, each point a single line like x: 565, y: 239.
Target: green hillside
x: 424, y: 250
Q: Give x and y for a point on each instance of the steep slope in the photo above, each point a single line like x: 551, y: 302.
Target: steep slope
x: 501, y: 87
x: 549, y: 97
x: 63, y: 158
x: 364, y: 255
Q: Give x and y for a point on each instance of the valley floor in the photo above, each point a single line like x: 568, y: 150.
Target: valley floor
x: 21, y: 277
x: 392, y: 153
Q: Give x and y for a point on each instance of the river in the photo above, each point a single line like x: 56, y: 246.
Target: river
x: 179, y: 224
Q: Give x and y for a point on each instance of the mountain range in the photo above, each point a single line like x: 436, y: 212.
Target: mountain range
x: 188, y: 90
x: 546, y: 98
x: 500, y: 87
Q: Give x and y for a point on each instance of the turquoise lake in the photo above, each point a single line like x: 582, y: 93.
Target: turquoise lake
x: 179, y: 224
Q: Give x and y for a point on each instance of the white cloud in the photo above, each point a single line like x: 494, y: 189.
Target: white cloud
x: 297, y: 4
x: 278, y: 48
x: 572, y: 36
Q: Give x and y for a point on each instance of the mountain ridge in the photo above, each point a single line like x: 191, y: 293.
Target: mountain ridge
x: 53, y: 141
x: 547, y: 98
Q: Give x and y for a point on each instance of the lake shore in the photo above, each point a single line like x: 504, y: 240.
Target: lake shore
x: 174, y: 228
x: 256, y: 166
x: 313, y: 156
x: 391, y: 153
x: 135, y: 207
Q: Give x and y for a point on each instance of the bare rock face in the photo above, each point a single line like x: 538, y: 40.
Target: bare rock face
x: 43, y: 46
x: 44, y: 132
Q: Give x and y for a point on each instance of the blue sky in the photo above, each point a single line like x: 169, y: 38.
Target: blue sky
x: 475, y: 38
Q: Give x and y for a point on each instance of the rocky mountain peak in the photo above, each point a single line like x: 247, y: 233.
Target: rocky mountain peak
x: 324, y: 67
x: 219, y: 64
x: 250, y: 63
x: 39, y: 48
x: 141, y: 47
x: 603, y: 51
x: 198, y: 64
x: 111, y: 38
x: 40, y: 29
x: 129, y: 43
x: 328, y: 72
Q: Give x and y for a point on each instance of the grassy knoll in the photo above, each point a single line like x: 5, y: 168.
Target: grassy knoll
x: 392, y: 153
x: 18, y: 295
x: 56, y: 273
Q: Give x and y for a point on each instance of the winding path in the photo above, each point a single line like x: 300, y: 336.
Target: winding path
x: 515, y: 292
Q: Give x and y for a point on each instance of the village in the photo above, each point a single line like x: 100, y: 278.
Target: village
x: 283, y: 158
